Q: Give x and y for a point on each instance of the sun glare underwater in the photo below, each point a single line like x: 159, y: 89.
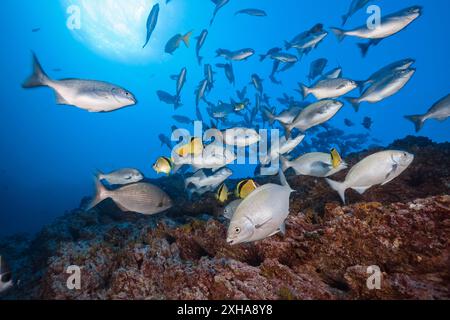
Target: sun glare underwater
x: 94, y: 89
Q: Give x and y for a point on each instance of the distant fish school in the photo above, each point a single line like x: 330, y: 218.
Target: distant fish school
x: 255, y: 212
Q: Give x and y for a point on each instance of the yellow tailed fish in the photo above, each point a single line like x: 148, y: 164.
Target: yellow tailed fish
x: 163, y: 165
x: 336, y: 159
x: 245, y: 187
x: 194, y: 147
x: 222, y: 193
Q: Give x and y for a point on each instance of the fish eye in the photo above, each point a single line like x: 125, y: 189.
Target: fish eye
x: 237, y: 230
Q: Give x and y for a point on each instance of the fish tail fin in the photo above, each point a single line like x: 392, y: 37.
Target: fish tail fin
x: 101, y: 194
x: 417, y: 120
x: 187, y: 38
x: 339, y: 187
x: 304, y: 90
x: 361, y: 85
x: 355, y: 102
x: 39, y: 78
x: 287, y: 45
x: 344, y: 19
x: 287, y: 129
x: 284, y: 181
x: 339, y: 33
x: 285, y: 164
x: 269, y: 115
x: 364, y: 47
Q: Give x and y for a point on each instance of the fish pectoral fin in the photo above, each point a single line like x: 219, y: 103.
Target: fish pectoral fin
x: 259, y: 226
x: 283, y: 228
x: 394, y: 169
x: 60, y: 99
x: 361, y: 190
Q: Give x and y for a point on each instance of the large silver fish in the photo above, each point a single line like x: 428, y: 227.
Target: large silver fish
x: 315, y: 164
x: 377, y: 169
x: 122, y: 176
x: 329, y: 88
x: 384, y: 88
x: 385, y: 71
x: 389, y: 26
x: 151, y: 22
x: 259, y: 216
x: 439, y: 111
x: 90, y: 95
x: 140, y: 197
x: 314, y: 115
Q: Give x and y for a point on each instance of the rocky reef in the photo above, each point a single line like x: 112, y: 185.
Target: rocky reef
x: 402, y: 228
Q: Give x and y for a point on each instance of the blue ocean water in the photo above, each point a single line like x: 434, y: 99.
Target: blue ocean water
x: 49, y: 152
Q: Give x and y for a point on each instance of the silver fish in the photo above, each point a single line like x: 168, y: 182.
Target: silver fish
x: 329, y: 88
x: 151, y: 23
x: 258, y: 216
x: 90, y: 95
x: 209, y: 75
x: 269, y: 53
x: 385, y: 71
x: 139, y: 197
x: 200, y: 92
x: 121, y: 177
x: 287, y: 116
x: 314, y: 115
x: 439, y: 111
x: 238, y: 55
x: 285, y: 146
x: 315, y: 164
x: 384, y: 88
x: 214, y: 156
x: 252, y: 12
x: 230, y: 209
x: 200, y: 42
x: 201, y: 180
x: 181, y: 80
x: 241, y: 137
x: 377, y: 169
x: 389, y: 26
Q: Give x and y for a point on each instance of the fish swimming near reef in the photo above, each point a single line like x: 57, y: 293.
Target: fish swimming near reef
x: 377, y: 169
x: 439, y: 111
x: 222, y: 193
x: 121, y: 177
x: 314, y: 115
x: 258, y: 217
x: 245, y: 187
x: 163, y: 165
x: 201, y: 180
x: 284, y: 146
x: 329, y: 88
x: 143, y: 198
x: 90, y: 95
x: 241, y: 137
x: 230, y: 209
x: 314, y: 164
x: 383, y: 88
x: 152, y: 22
x: 6, y: 281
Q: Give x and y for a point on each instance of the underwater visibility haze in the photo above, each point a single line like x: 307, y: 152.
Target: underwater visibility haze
x: 92, y: 91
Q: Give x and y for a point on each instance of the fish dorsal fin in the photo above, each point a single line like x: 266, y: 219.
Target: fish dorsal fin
x: 284, y: 181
